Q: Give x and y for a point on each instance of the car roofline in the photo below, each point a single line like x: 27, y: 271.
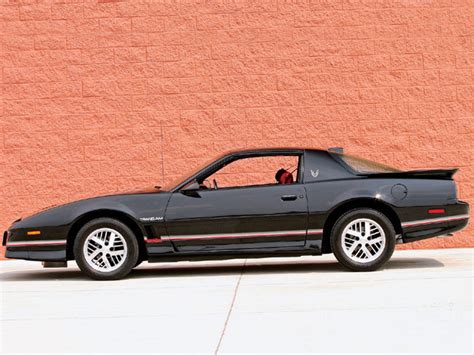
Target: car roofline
x: 270, y: 150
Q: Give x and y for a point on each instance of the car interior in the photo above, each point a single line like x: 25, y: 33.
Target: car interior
x: 283, y: 176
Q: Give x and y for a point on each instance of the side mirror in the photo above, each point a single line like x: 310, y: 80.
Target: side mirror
x: 192, y: 189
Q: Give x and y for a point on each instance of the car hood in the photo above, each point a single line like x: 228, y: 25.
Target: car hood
x: 131, y: 203
x: 137, y: 191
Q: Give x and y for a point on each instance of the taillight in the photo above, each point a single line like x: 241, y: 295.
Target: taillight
x: 437, y: 211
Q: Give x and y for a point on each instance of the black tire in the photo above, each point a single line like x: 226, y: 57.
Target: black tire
x: 337, y: 239
x: 131, y: 256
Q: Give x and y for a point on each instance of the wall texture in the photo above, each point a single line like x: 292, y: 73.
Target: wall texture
x: 107, y: 96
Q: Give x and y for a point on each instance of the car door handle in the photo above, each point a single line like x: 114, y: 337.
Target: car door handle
x: 289, y: 197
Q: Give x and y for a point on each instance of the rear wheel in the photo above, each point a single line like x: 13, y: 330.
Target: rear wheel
x: 106, y: 249
x: 363, y: 239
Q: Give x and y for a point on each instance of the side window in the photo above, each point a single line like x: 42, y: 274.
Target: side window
x: 256, y: 171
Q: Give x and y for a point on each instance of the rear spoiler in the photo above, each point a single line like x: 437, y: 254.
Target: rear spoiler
x: 441, y: 174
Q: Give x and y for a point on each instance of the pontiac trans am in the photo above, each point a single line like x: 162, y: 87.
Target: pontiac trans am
x: 330, y: 203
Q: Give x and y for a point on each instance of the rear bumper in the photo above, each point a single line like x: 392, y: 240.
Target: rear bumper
x: 454, y: 219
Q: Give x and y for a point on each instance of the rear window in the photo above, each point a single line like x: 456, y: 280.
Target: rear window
x: 363, y: 166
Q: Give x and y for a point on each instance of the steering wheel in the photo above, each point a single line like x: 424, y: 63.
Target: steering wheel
x: 215, y: 184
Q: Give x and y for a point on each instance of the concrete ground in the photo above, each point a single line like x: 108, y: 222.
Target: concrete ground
x: 422, y: 301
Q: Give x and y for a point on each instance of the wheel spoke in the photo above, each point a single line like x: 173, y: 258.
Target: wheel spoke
x: 352, y: 248
x: 105, y: 260
x: 116, y: 252
x: 94, y: 254
x: 112, y: 240
x: 353, y: 233
x: 367, y: 228
x: 375, y: 240
x: 97, y: 240
x: 366, y: 251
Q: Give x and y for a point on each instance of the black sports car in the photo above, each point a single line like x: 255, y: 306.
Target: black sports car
x: 330, y: 202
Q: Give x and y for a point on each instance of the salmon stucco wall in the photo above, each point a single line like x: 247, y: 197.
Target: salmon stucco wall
x: 106, y: 96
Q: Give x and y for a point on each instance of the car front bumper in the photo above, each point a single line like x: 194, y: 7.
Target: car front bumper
x: 44, y: 249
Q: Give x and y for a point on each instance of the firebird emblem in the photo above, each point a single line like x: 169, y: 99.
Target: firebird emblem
x: 314, y: 173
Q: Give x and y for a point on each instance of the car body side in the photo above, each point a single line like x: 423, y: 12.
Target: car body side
x: 326, y: 188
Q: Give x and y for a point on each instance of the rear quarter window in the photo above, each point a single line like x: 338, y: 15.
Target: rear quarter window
x: 363, y: 166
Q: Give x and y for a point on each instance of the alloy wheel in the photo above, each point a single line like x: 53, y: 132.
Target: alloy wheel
x: 105, y: 250
x: 363, y: 240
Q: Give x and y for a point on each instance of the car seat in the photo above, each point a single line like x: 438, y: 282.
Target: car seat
x: 283, y: 177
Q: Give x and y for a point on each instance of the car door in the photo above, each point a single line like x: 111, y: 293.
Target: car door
x: 242, y: 218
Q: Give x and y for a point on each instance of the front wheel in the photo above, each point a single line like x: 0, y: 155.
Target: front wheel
x: 363, y: 239
x: 106, y: 249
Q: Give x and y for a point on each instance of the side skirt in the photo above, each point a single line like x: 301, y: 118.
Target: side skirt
x: 226, y: 256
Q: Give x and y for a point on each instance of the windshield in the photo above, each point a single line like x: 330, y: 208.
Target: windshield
x: 363, y: 166
x: 176, y: 181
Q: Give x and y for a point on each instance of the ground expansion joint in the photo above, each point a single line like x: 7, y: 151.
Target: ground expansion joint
x: 234, y: 296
